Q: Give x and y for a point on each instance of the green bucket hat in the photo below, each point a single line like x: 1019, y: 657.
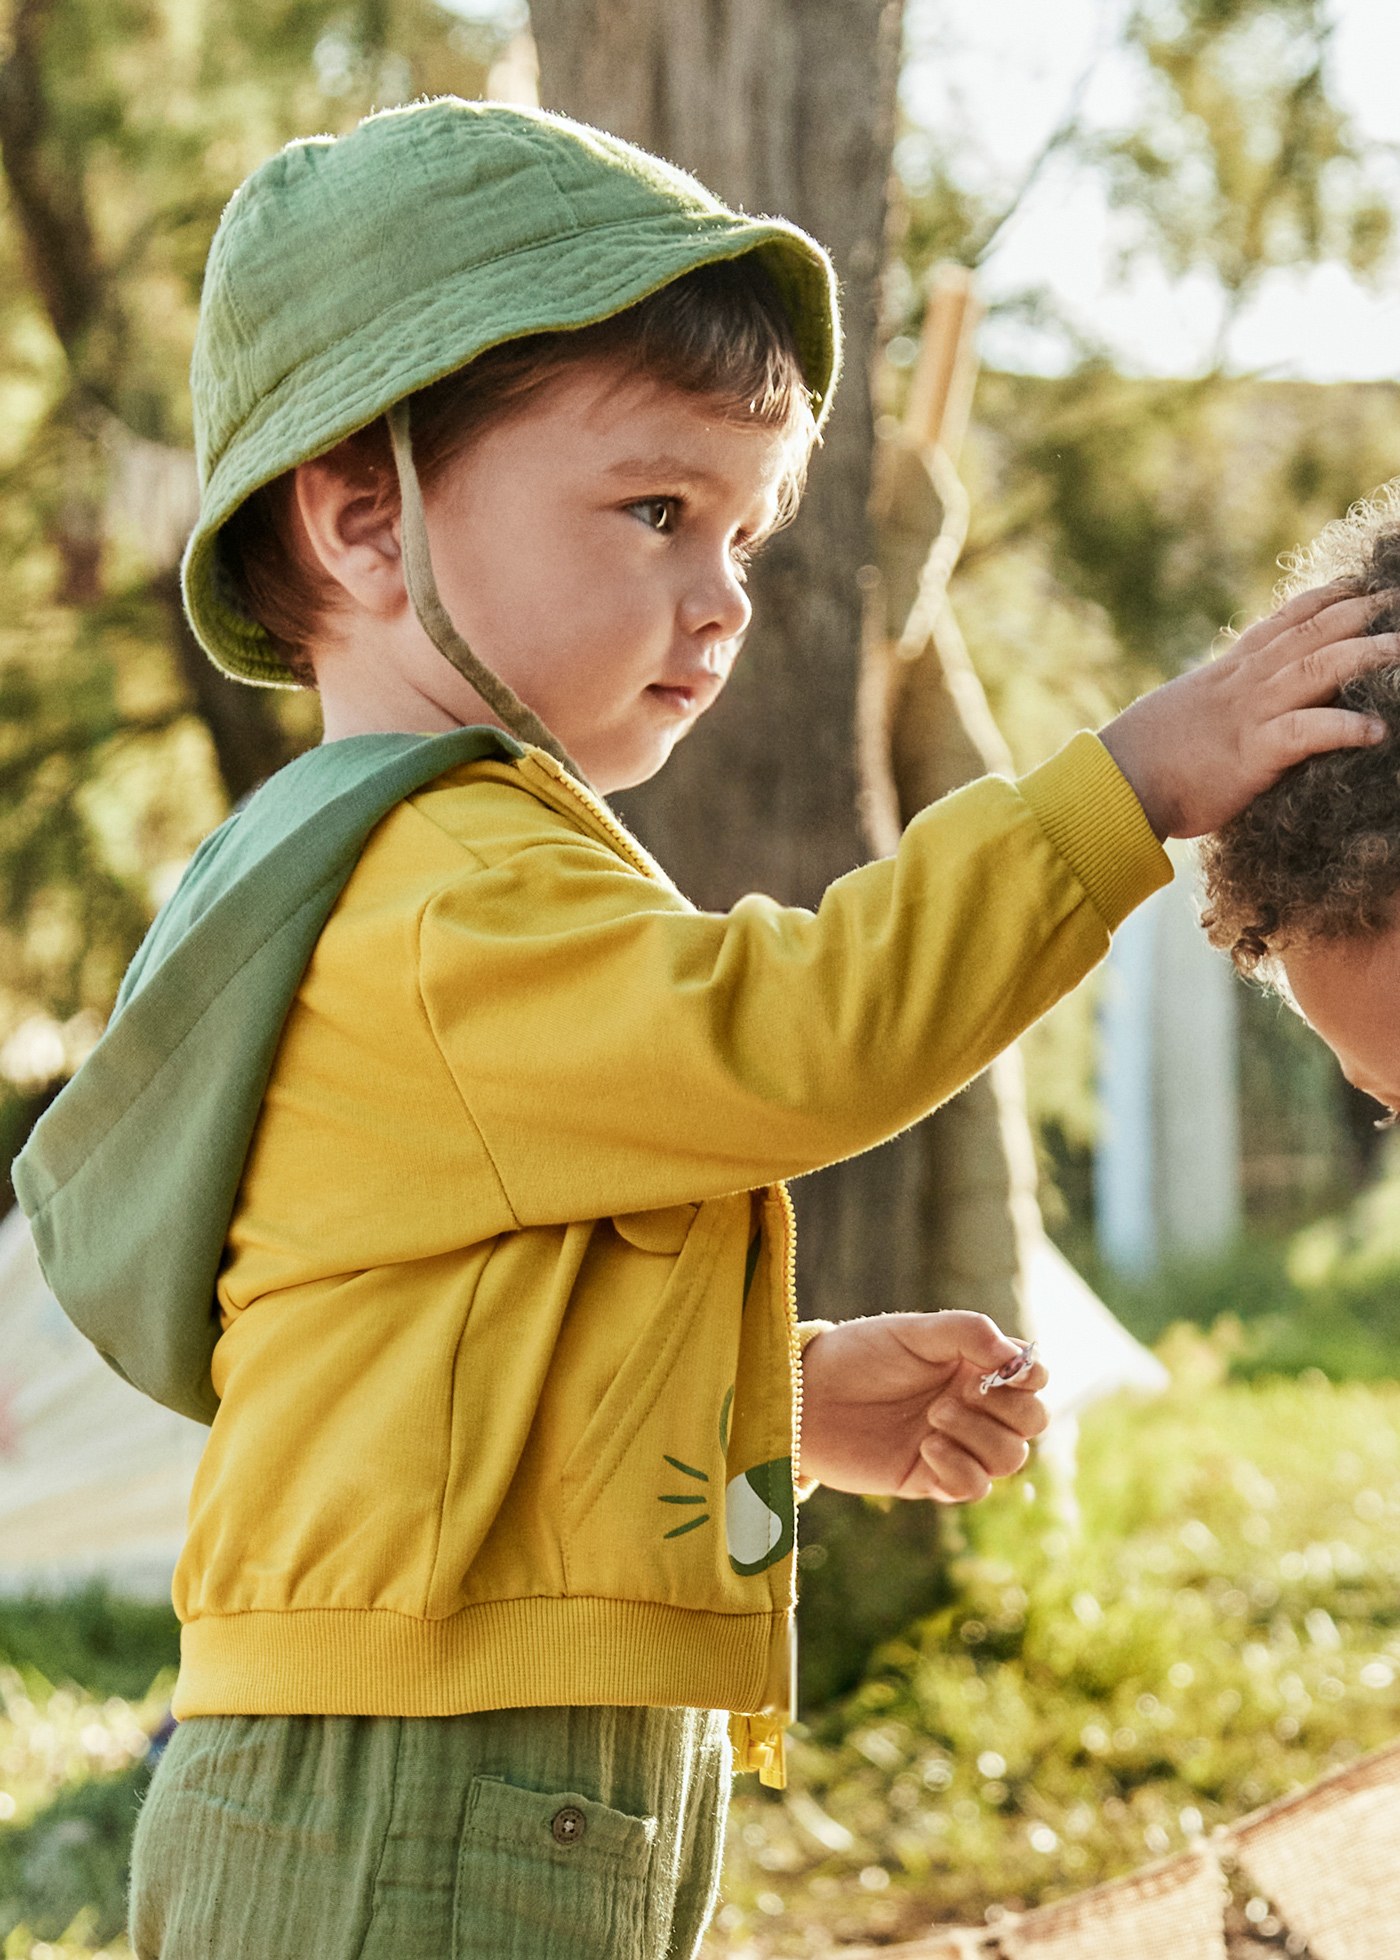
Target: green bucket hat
x: 349, y: 272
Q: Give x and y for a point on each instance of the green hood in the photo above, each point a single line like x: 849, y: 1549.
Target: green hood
x: 130, y: 1177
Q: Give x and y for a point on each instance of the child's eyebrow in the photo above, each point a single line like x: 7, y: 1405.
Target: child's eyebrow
x: 664, y: 464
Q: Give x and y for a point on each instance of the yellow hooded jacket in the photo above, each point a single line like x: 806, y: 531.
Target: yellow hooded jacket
x: 508, y: 1372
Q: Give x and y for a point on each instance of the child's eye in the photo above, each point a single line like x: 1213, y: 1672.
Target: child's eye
x: 657, y: 513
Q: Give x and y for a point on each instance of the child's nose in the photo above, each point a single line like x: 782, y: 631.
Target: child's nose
x: 717, y: 605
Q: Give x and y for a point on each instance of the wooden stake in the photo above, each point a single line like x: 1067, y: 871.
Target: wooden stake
x: 945, y: 374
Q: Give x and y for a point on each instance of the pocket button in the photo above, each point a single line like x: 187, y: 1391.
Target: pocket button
x: 568, y: 1825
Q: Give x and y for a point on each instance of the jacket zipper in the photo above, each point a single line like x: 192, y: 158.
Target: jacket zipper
x: 602, y: 816
x: 790, y: 1295
x: 758, y: 1740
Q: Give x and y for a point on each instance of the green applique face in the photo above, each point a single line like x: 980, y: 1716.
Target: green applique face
x: 760, y: 1520
x: 759, y: 1516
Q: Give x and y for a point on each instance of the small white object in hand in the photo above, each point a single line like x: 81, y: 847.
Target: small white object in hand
x: 1014, y: 1370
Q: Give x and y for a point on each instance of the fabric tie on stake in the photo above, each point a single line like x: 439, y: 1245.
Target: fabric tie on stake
x: 502, y: 700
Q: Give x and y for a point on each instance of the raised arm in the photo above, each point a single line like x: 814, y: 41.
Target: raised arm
x: 619, y: 1050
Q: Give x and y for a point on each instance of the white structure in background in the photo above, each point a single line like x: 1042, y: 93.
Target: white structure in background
x: 1167, y: 1167
x: 1088, y: 1352
x: 94, y: 1477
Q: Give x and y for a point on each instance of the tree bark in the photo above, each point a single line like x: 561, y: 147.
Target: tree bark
x: 787, y: 106
x: 249, y: 740
x: 783, y: 106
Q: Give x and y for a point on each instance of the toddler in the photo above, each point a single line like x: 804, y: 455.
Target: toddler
x: 434, y: 1154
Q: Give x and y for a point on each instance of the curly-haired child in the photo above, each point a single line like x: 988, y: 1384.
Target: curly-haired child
x: 1303, y: 886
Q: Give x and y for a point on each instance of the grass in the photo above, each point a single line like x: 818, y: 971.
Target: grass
x: 1327, y: 1297
x: 83, y: 1682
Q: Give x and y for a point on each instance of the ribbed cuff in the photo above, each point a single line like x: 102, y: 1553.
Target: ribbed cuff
x: 1088, y: 810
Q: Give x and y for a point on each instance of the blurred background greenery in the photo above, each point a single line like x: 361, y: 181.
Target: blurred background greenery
x: 1226, y: 1626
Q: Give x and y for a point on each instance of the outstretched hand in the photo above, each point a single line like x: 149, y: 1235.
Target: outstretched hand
x: 891, y: 1406
x: 1199, y: 749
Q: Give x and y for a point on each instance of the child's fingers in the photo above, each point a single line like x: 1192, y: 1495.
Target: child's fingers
x: 953, y: 1336
x: 1305, y: 612
x: 1315, y: 676
x: 999, y: 1449
x: 1303, y: 732
x: 1018, y: 1406
x: 954, y: 1476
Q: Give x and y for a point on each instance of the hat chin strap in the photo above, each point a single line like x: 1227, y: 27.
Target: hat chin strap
x: 503, y: 702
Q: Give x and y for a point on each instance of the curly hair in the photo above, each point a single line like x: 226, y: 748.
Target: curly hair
x: 1317, y: 857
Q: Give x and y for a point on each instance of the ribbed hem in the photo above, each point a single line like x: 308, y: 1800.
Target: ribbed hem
x: 513, y: 1653
x: 1091, y: 815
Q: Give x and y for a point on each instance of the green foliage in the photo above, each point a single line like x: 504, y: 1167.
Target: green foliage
x: 92, y: 1638
x: 1241, y: 160
x: 84, y: 1681
x: 1237, y: 158
x: 1165, y: 506
x: 1220, y: 1628
x: 1325, y: 1299
x: 66, y: 1872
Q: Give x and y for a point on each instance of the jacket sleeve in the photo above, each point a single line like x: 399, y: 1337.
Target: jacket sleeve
x: 620, y: 1051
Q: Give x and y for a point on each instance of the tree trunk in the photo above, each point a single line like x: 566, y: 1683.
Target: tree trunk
x: 249, y: 740
x: 787, y: 106
x: 782, y: 106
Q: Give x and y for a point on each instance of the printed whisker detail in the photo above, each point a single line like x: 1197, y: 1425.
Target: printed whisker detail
x: 690, y: 1525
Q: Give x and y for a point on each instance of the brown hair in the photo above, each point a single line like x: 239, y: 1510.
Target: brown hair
x: 719, y: 331
x: 1318, y: 855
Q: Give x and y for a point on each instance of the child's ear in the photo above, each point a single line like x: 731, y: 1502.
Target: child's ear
x: 352, y: 532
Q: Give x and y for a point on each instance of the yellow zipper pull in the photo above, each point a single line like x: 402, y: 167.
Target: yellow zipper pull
x: 759, y: 1743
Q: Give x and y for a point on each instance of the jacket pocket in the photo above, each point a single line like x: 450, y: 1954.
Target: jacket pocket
x: 657, y: 1231
x: 644, y: 1489
x: 551, y: 1873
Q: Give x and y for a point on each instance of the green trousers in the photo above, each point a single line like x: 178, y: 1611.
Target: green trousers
x: 526, y: 1834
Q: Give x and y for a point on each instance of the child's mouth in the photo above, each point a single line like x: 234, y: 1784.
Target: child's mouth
x: 681, y: 700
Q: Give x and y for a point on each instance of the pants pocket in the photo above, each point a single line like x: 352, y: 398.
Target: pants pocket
x: 215, y: 1876
x: 542, y: 1875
